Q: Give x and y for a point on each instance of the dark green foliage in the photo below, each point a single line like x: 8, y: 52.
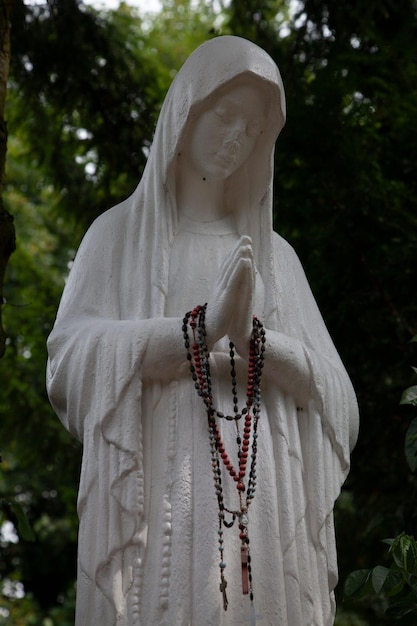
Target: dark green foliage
x: 40, y: 461
x: 89, y: 100
x: 396, y: 584
x: 85, y: 92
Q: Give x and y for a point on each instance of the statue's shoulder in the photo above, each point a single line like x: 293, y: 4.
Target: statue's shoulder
x: 108, y: 227
x: 282, y: 248
x: 114, y: 218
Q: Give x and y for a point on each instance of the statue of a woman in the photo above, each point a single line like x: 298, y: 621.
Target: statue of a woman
x: 198, y: 229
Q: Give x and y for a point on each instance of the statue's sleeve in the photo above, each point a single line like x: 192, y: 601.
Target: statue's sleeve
x: 312, y: 442
x: 94, y: 355
x: 331, y: 391
x: 94, y: 381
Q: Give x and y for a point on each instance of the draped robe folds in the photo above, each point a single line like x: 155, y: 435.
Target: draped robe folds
x: 148, y: 543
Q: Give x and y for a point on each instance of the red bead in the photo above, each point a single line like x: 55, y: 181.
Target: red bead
x: 236, y: 478
x: 242, y: 473
x: 241, y: 486
x: 242, y: 536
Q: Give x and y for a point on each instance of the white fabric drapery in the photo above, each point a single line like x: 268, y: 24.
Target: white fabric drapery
x: 147, y: 540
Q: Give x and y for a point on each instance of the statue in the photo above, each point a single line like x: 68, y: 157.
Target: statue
x: 194, y: 510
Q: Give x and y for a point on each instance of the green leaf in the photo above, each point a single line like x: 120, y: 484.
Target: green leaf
x: 358, y: 584
x: 404, y: 553
x: 389, y: 582
x: 379, y: 577
x: 389, y: 542
x: 23, y: 527
x: 411, y: 445
x: 409, y: 396
x: 412, y: 582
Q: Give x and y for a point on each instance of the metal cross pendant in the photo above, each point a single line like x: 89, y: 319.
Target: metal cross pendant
x: 223, y: 586
x: 245, y: 569
x: 253, y: 618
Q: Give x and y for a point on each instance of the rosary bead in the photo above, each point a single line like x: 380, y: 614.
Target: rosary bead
x: 197, y: 355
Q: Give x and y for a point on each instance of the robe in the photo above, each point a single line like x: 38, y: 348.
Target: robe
x: 148, y: 542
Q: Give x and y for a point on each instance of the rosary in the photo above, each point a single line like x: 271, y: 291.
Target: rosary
x: 198, y: 357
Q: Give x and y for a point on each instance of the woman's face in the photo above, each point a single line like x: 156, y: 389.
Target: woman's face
x: 225, y: 132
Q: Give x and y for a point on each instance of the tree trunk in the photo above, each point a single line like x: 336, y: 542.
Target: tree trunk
x: 7, y: 231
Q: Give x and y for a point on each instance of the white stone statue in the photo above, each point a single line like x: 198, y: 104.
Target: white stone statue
x: 156, y: 501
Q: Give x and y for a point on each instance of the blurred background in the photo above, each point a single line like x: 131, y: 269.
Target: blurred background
x: 86, y: 82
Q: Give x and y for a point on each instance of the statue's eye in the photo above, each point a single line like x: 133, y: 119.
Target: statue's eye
x: 223, y: 113
x: 254, y: 128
